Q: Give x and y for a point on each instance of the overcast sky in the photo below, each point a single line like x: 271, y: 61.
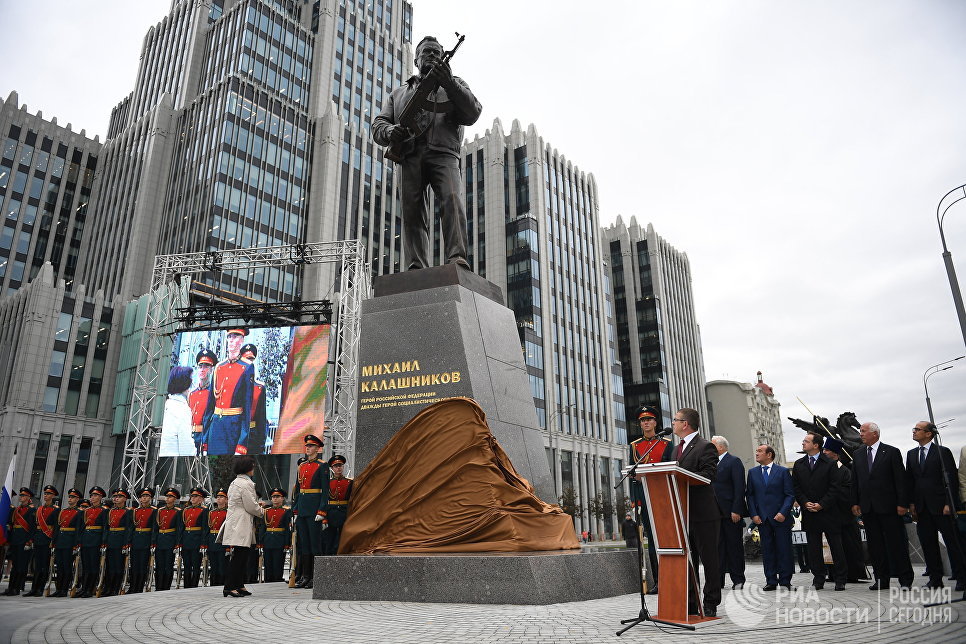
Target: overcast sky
x: 795, y: 150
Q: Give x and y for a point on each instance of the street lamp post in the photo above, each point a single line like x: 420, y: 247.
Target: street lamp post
x: 928, y: 373
x: 948, y: 257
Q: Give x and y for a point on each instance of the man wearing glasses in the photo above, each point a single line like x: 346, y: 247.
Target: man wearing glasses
x: 700, y: 456
x: 930, y: 504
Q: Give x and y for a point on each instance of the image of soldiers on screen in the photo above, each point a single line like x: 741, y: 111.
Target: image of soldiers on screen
x: 176, y: 437
x: 198, y: 398
x: 227, y: 419
x: 258, y: 426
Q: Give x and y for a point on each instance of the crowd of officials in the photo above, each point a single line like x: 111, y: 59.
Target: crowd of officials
x: 835, y: 493
x: 88, y: 548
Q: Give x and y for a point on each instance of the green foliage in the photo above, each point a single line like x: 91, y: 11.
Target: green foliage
x: 222, y: 472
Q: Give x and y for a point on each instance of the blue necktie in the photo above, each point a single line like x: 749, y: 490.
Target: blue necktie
x: 811, y: 462
x: 870, y: 459
x: 922, y: 457
x: 764, y: 472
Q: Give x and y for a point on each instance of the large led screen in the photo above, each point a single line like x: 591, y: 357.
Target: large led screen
x: 245, y: 391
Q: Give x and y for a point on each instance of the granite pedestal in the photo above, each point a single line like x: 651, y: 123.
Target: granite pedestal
x: 528, y: 578
x: 437, y: 333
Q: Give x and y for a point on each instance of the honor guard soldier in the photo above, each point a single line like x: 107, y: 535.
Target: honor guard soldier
x: 93, y: 541
x: 310, y: 503
x: 120, y: 529
x: 228, y: 415
x: 198, y: 399
x: 195, y: 538
x: 216, y: 551
x: 44, y: 534
x: 259, y: 422
x: 647, y: 418
x: 143, y: 540
x: 167, y: 539
x: 21, y: 531
x: 70, y: 526
x: 340, y: 488
x: 275, y: 535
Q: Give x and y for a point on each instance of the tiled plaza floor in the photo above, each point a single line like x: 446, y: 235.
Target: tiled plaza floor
x: 276, y: 613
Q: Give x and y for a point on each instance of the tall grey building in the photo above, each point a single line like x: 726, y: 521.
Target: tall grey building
x: 46, y: 176
x: 657, y: 329
x: 534, y: 230
x: 248, y: 126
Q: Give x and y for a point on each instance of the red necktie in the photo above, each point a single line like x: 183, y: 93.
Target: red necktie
x: 677, y: 457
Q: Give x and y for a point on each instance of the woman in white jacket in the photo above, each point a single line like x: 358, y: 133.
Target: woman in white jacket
x: 238, y: 530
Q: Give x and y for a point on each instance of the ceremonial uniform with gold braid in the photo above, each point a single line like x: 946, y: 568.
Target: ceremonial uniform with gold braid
x: 339, y: 491
x: 216, y: 551
x: 309, y: 501
x: 168, y: 537
x: 44, y: 534
x: 228, y: 415
x: 142, y: 541
x: 194, y: 540
x: 93, y: 538
x: 21, y: 531
x: 275, y: 536
x: 70, y: 526
x: 120, y: 528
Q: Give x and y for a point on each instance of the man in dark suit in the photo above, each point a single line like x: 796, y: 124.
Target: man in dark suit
x: 879, y: 496
x: 698, y: 455
x: 834, y: 450
x: 817, y: 485
x: 930, y: 505
x: 729, y: 490
x: 770, y: 495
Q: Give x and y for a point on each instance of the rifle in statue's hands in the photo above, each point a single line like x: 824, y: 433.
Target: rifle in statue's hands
x: 408, y: 118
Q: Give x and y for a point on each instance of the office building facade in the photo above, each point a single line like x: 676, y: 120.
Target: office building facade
x: 658, y: 337
x: 533, y: 229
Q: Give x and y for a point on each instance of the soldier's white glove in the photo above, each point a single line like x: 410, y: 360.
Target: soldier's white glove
x: 319, y: 517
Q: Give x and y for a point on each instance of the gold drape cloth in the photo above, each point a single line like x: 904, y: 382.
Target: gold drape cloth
x: 443, y: 484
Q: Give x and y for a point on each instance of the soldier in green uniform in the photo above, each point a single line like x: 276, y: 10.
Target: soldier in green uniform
x: 340, y: 488
x: 70, y: 525
x: 216, y: 551
x: 195, y: 538
x: 93, y: 540
x: 168, y: 534
x: 21, y: 531
x: 120, y: 529
x: 45, y: 531
x: 310, y: 502
x: 143, y: 539
x: 275, y: 535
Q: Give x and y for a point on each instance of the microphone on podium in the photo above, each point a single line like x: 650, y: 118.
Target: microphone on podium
x: 667, y: 431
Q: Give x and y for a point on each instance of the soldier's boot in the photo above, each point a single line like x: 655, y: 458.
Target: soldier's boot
x: 309, y: 572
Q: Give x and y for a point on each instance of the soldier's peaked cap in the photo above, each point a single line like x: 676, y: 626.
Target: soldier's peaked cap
x: 313, y: 439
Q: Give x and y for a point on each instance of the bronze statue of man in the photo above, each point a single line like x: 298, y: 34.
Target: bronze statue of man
x: 429, y: 152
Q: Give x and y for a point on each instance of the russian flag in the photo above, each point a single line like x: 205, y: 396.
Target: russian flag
x: 5, y: 495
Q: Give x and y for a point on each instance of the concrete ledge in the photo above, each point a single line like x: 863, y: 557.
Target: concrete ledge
x: 529, y: 578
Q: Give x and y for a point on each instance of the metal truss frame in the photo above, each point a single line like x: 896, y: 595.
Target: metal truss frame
x: 169, y: 291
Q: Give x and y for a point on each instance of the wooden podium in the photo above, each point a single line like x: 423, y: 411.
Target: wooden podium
x: 666, y: 490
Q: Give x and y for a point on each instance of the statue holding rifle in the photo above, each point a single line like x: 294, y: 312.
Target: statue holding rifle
x: 421, y: 126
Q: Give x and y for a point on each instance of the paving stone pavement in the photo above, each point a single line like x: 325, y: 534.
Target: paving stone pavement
x: 276, y: 613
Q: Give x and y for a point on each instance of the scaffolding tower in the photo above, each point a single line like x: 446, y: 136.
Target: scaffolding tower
x: 169, y: 290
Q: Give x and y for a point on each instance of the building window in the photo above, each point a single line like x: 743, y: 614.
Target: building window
x: 39, y: 468
x: 57, y: 363
x: 60, y: 465
x: 50, y: 398
x: 63, y: 327
x: 83, y: 464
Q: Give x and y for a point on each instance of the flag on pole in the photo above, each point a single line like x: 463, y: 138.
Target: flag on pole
x: 6, y: 494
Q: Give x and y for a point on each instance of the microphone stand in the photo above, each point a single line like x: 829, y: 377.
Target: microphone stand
x: 950, y: 499
x: 644, y: 615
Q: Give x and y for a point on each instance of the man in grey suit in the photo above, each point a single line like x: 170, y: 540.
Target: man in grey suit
x: 729, y: 489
